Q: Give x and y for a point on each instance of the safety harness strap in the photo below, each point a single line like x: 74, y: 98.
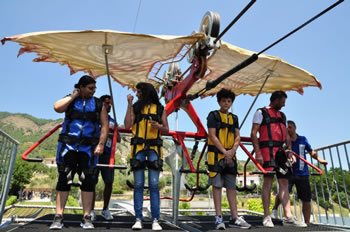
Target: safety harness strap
x: 219, y: 165
x: 66, y: 139
x: 223, y: 125
x: 72, y: 114
x: 270, y: 143
x: 148, y: 142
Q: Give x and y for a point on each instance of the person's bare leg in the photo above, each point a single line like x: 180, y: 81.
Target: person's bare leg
x: 86, y: 198
x: 306, y: 211
x: 265, y: 194
x: 217, y: 199
x: 232, y: 200
x: 283, y: 195
x: 93, y: 201
x: 61, y: 199
x: 277, y: 202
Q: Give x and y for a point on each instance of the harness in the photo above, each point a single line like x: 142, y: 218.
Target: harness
x: 149, y: 139
x: 268, y: 122
x: 81, y: 113
x: 72, y: 113
x: 283, y: 165
x: 225, y: 131
x: 71, y: 171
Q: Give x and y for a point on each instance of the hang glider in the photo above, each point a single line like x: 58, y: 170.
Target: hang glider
x: 138, y: 57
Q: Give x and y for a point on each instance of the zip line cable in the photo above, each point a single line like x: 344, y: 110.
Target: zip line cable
x: 254, y: 57
x: 137, y: 16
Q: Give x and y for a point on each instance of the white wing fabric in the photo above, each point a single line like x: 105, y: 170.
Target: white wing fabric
x: 133, y: 56
x: 131, y: 59
x: 281, y: 75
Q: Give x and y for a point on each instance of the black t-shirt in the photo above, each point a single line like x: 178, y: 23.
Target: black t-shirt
x: 212, y: 121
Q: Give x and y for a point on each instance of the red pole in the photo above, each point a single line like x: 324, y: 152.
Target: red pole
x: 29, y: 150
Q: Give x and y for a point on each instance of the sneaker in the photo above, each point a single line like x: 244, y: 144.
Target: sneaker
x: 219, y: 223
x: 239, y: 223
x: 267, y: 222
x: 93, y: 215
x: 137, y: 225
x: 156, y: 226
x: 57, y: 223
x: 292, y: 221
x: 274, y: 214
x: 107, y: 214
x: 86, y: 223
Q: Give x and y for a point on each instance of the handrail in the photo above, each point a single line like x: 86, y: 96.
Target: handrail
x: 31, y: 148
x: 306, y: 161
x: 333, y: 145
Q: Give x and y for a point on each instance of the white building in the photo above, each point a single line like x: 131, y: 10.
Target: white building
x: 250, y: 180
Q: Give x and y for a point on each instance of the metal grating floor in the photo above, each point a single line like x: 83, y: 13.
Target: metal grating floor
x: 124, y: 223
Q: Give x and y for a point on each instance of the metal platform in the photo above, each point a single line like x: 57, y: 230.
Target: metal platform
x: 206, y: 223
x: 124, y: 223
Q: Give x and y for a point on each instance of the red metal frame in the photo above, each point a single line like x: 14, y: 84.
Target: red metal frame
x: 176, y: 98
x: 307, y: 162
x: 31, y: 148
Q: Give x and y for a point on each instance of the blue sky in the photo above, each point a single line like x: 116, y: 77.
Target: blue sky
x: 321, y: 48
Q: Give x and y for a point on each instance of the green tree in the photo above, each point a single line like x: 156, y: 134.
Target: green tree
x: 22, y: 173
x: 342, y: 197
x: 335, y: 180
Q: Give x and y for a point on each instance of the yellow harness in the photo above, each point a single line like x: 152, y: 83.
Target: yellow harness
x: 144, y: 136
x: 225, y: 133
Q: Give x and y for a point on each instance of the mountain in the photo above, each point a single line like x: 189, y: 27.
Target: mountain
x: 27, y: 130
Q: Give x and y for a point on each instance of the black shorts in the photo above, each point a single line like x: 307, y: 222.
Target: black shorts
x: 106, y: 172
x: 281, y: 165
x: 302, y: 184
x: 77, y: 163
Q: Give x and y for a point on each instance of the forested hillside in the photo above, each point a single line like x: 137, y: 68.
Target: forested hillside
x: 27, y: 129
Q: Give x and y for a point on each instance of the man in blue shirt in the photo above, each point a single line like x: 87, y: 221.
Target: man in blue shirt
x: 300, y: 177
x: 106, y: 173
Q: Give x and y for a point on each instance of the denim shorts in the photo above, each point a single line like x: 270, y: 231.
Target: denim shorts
x: 223, y: 180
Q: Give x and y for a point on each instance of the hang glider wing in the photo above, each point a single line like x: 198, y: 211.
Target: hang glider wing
x: 281, y: 75
x: 131, y: 59
x: 134, y: 56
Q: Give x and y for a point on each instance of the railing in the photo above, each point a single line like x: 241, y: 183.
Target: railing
x: 330, y: 191
x: 8, y: 150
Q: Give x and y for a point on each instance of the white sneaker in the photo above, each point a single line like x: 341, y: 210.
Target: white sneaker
x: 274, y: 213
x: 219, y: 223
x: 156, y: 226
x: 93, y: 215
x: 267, y: 222
x: 239, y: 223
x: 292, y: 221
x: 137, y: 225
x: 106, y: 214
x: 57, y: 223
x: 86, y: 223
